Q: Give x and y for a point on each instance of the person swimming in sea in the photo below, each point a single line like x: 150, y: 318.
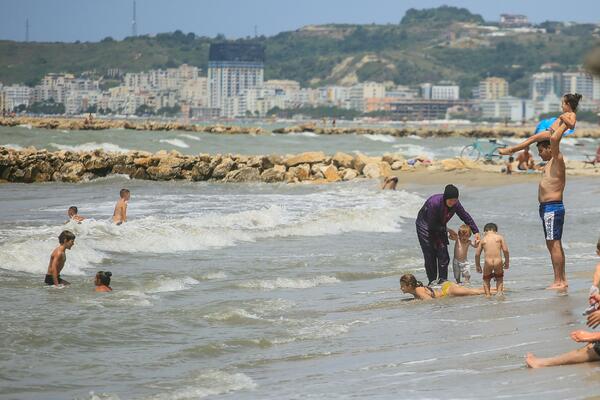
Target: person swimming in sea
x: 410, y: 285
x: 102, y: 281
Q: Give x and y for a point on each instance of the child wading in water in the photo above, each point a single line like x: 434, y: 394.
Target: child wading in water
x: 492, y: 244
x: 460, y: 261
x: 102, y: 281
x: 120, y: 214
x: 410, y: 285
x: 58, y: 257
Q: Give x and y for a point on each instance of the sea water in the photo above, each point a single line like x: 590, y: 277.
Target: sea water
x: 274, y: 291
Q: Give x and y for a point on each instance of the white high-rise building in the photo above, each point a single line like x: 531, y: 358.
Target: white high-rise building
x: 233, y: 68
x: 363, y: 91
x: 441, y: 91
x: 544, y: 84
x: 578, y: 82
x: 15, y: 95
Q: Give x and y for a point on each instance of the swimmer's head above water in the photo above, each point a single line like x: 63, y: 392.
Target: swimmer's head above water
x: 103, y: 278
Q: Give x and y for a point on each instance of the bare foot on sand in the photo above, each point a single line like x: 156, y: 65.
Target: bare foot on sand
x: 532, y: 361
x: 558, y: 286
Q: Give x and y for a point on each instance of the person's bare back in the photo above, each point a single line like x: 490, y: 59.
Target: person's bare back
x: 120, y: 213
x: 493, y: 246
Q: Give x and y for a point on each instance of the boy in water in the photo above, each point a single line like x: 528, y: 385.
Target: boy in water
x: 390, y: 183
x: 120, y: 214
x: 58, y: 257
x: 492, y: 244
x: 460, y: 262
x: 73, y: 215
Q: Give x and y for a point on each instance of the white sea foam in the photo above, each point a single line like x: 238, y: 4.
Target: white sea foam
x: 380, y: 138
x: 173, y: 284
x: 191, y: 137
x: 27, y: 126
x: 175, y: 142
x: 317, y: 214
x: 209, y: 383
x: 413, y: 150
x: 91, y: 146
x: 305, y: 134
x: 213, y: 275
x: 12, y: 146
x: 288, y: 283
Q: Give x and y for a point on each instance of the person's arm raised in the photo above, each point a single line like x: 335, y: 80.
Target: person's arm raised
x: 538, y: 137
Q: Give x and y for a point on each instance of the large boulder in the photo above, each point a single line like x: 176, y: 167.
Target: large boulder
x: 246, y: 174
x: 201, y: 171
x: 72, y: 171
x: 330, y: 173
x: 376, y: 170
x: 221, y: 170
x: 311, y: 157
x: 360, y: 160
x: 299, y: 173
x: 275, y: 174
x: 342, y: 160
x: 349, y: 174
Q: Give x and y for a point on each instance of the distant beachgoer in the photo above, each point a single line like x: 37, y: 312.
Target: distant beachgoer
x: 460, y: 262
x: 72, y: 212
x: 102, y: 281
x: 58, y: 257
x: 333, y: 123
x: 509, y: 166
x: 552, y: 185
x: 492, y: 244
x: 433, y: 234
x: 525, y: 160
x: 120, y: 213
x: 410, y: 285
x: 390, y: 183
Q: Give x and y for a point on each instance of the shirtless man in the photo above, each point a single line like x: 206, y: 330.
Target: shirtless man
x: 493, y: 244
x: 525, y: 160
x: 58, y: 257
x: 120, y: 214
x: 552, y: 185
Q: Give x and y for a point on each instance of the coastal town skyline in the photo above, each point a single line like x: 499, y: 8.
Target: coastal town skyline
x: 61, y: 20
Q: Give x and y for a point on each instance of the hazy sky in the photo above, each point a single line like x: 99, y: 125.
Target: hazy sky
x: 92, y: 20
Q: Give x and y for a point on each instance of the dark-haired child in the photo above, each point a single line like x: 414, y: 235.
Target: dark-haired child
x: 58, y: 257
x: 102, y: 281
x: 493, y: 245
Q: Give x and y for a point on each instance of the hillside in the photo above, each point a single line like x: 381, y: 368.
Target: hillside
x: 445, y: 43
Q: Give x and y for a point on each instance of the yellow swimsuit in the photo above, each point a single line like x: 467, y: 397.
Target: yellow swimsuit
x: 446, y: 288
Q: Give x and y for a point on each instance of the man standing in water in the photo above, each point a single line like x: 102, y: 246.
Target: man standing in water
x: 552, y: 185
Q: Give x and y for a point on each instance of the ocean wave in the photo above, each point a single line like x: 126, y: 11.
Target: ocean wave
x: 173, y: 284
x: 175, y: 142
x: 380, y: 138
x: 191, y: 137
x: 91, y: 146
x: 209, y: 383
x: 304, y: 134
x: 288, y: 283
x: 28, y: 249
x: 413, y: 150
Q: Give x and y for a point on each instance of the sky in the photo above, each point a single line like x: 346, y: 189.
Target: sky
x: 93, y: 20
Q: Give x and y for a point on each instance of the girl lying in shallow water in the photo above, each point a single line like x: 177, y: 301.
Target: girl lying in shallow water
x: 409, y: 284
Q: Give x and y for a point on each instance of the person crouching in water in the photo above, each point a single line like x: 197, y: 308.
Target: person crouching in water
x: 410, y: 285
x: 103, y: 281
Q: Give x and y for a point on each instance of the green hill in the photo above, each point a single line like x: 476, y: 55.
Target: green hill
x: 445, y: 43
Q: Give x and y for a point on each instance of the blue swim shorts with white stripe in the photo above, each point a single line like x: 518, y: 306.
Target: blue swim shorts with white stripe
x: 552, y: 214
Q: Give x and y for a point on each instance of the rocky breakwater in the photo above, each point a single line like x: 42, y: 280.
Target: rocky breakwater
x: 32, y: 165
x: 474, y: 132
x: 84, y: 124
